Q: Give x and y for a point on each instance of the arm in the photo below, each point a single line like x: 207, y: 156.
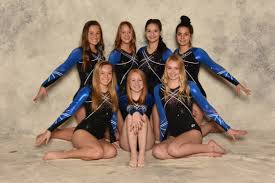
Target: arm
x: 204, y: 58
x: 114, y: 57
x: 80, y: 98
x: 71, y: 61
x: 166, y: 54
x: 205, y: 106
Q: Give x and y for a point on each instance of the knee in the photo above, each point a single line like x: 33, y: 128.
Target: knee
x: 172, y: 150
x: 111, y: 153
x: 93, y: 153
x: 158, y: 153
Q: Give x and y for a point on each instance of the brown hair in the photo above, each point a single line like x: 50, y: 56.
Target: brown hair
x: 96, y: 93
x: 85, y: 43
x: 142, y: 97
x: 118, y: 37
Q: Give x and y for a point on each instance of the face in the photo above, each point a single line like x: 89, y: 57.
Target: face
x: 173, y: 70
x: 136, y: 82
x: 105, y: 75
x: 126, y: 34
x: 94, y: 35
x: 183, y: 36
x: 152, y: 33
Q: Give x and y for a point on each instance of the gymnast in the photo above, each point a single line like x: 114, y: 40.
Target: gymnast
x: 136, y: 110
x: 152, y: 58
x: 180, y: 134
x: 193, y: 57
x: 88, y: 137
x: 84, y: 58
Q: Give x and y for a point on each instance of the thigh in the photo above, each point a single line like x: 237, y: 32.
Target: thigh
x: 82, y: 138
x: 190, y: 137
x: 80, y: 114
x: 150, y: 138
x: 108, y: 148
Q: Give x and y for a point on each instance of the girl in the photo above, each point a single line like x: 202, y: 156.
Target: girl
x: 84, y: 58
x: 193, y: 58
x: 152, y: 59
x: 137, y: 130
x: 88, y: 136
x: 180, y: 133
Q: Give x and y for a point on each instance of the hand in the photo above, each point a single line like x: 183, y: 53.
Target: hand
x: 234, y: 133
x: 137, y: 120
x: 41, y: 93
x: 43, y: 138
x: 240, y: 88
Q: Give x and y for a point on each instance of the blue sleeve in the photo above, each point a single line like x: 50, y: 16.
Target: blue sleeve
x: 204, y: 58
x: 166, y: 54
x: 114, y: 122
x: 72, y: 60
x: 162, y: 115
x: 114, y: 57
x: 205, y: 106
x: 80, y: 98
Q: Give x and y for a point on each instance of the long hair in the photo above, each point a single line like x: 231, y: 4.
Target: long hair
x: 86, y: 45
x: 96, y: 92
x: 161, y: 45
x: 183, y: 88
x: 118, y: 37
x: 142, y: 97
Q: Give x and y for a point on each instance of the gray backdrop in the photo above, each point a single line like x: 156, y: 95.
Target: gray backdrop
x: 37, y: 35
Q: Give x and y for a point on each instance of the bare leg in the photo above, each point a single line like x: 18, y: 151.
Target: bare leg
x: 67, y: 133
x: 197, y: 113
x: 119, y: 124
x: 156, y: 122
x: 132, y: 139
x: 109, y: 151
x: 160, y: 151
x: 87, y: 148
x: 150, y: 139
x: 142, y: 136
x: 189, y: 143
x: 123, y: 140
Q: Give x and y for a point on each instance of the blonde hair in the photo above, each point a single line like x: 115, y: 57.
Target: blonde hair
x: 142, y: 97
x: 118, y: 37
x: 96, y: 92
x: 183, y: 87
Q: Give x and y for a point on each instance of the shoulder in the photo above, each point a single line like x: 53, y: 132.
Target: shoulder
x: 198, y: 51
x: 166, y: 54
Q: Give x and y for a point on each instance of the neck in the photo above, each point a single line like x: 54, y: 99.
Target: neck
x: 152, y: 47
x: 93, y: 48
x: 185, y: 48
x: 135, y: 95
x: 173, y: 83
x: 103, y: 88
x: 125, y: 47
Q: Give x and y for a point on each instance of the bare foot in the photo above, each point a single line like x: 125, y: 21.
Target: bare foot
x: 53, y: 155
x: 216, y: 148
x: 133, y: 160
x: 215, y: 128
x: 141, y: 160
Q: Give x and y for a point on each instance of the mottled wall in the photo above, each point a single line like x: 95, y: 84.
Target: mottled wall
x: 37, y: 35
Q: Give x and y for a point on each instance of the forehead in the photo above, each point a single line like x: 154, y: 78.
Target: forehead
x: 183, y: 29
x: 172, y: 63
x: 125, y: 27
x: 152, y: 26
x: 106, y: 68
x: 94, y: 28
x: 135, y: 75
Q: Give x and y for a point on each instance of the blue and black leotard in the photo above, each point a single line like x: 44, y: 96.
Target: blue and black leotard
x: 126, y: 108
x: 75, y: 58
x: 122, y: 62
x: 194, y: 57
x: 97, y: 121
x: 152, y: 65
x: 175, y: 111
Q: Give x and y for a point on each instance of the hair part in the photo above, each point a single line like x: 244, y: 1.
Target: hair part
x: 85, y: 42
x: 183, y: 85
x: 161, y: 45
x: 118, y: 37
x: 96, y: 90
x: 142, y: 97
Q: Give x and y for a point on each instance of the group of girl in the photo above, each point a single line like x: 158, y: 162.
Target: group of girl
x: 149, y: 99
